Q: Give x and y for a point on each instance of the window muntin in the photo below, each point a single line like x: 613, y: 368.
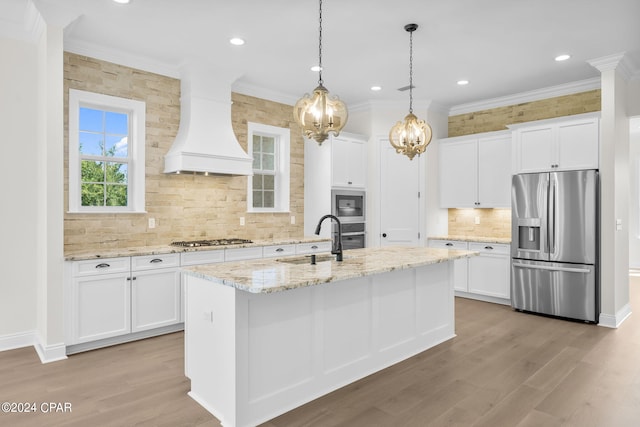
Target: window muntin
x: 106, y: 153
x: 268, y: 188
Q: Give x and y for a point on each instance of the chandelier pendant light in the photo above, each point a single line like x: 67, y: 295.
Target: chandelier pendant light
x: 320, y: 114
x: 411, y: 136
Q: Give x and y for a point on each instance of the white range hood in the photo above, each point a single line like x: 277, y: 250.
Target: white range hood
x: 205, y: 142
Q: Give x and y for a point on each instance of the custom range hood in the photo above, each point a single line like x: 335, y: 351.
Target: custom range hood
x: 205, y: 142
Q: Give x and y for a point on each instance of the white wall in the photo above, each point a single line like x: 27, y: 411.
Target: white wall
x: 634, y: 195
x: 18, y: 173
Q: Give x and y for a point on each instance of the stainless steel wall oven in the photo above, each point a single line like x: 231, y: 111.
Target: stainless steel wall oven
x: 349, y: 206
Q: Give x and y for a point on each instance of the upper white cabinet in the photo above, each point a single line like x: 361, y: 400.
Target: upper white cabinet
x: 557, y: 144
x: 348, y: 161
x: 475, y: 171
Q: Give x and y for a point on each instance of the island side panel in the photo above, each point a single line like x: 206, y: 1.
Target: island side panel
x: 210, y: 343
x: 298, y: 345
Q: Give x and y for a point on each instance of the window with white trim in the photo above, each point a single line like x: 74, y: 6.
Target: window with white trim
x: 106, y: 153
x: 268, y: 188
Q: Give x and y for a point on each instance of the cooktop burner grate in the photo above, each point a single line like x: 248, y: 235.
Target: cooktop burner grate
x: 213, y: 242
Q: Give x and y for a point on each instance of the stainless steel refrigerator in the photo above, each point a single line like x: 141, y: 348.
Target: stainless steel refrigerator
x: 555, y: 244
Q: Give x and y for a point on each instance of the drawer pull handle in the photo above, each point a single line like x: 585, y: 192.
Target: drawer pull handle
x: 314, y: 247
x: 156, y: 260
x: 103, y: 265
x: 449, y: 244
x: 279, y: 250
x: 489, y: 247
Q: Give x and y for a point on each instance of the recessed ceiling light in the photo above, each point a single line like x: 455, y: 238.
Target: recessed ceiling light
x: 236, y: 41
x: 463, y: 82
x: 564, y: 57
x: 376, y: 88
x: 122, y: 1
x: 316, y: 68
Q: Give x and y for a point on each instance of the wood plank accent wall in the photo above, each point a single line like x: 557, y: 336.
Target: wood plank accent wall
x: 497, y: 222
x: 184, y: 206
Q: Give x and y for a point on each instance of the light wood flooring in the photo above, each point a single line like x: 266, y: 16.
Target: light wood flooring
x: 503, y: 369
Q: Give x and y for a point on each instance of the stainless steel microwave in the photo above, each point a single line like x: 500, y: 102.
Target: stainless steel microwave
x: 348, y: 205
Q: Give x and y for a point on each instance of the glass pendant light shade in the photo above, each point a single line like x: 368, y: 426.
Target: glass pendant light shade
x: 411, y: 136
x: 320, y: 114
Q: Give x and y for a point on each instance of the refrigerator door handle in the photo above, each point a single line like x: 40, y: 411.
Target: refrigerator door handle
x: 544, y: 267
x: 551, y: 224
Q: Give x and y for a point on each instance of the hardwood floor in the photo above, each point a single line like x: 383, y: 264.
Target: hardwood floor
x: 503, y: 369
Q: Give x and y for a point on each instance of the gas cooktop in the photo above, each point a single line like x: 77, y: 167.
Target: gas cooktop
x: 213, y: 242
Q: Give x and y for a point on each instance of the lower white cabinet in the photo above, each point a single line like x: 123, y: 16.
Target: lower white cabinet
x: 101, y: 307
x: 489, y: 271
x: 115, y: 297
x: 484, y: 277
x: 156, y: 292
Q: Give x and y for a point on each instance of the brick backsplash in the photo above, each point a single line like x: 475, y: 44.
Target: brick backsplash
x: 493, y: 222
x: 498, y: 118
x: 185, y: 206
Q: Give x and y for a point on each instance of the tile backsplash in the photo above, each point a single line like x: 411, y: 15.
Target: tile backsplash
x: 492, y: 222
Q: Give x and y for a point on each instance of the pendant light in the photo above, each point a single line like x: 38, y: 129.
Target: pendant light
x: 412, y: 136
x: 320, y: 114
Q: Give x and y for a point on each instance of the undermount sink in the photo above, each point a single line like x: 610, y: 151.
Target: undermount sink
x: 307, y: 259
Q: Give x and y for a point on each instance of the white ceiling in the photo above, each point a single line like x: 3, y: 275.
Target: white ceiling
x: 502, y: 47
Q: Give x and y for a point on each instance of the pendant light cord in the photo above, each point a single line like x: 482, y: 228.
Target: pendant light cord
x: 320, y: 48
x: 411, y: 72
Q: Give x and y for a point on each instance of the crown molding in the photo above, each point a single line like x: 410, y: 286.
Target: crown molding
x: 20, y: 20
x: 534, y: 95
x: 121, y: 58
x: 620, y: 62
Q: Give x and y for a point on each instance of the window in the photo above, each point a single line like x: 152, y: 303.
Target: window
x: 106, y: 153
x: 268, y: 188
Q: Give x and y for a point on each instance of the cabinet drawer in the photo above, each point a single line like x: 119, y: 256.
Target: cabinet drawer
x: 448, y: 244
x: 101, y: 266
x: 243, y: 253
x: 201, y: 257
x: 312, y: 247
x: 150, y: 262
x: 278, y: 250
x: 490, y: 248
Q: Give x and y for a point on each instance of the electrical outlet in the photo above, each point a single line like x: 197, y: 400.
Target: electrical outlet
x: 293, y: 220
x: 152, y: 223
x: 242, y: 220
x: 477, y: 220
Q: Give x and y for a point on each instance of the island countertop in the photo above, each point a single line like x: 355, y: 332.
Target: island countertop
x: 280, y: 274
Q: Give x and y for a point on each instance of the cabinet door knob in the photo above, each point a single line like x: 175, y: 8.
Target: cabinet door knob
x: 103, y: 265
x: 384, y: 234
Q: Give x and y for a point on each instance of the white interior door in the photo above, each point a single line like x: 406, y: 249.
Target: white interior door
x: 399, y: 198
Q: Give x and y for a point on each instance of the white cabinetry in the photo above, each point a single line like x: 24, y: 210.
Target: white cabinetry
x: 100, y: 300
x: 115, y: 297
x: 348, y: 161
x: 557, y: 144
x: 489, y: 272
x: 484, y: 277
x: 475, y: 171
x: 460, y: 266
x: 155, y: 291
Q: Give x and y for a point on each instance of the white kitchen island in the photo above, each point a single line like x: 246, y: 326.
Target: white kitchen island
x: 263, y: 337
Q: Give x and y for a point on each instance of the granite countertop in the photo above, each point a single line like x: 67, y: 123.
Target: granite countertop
x: 98, y: 252
x: 481, y: 239
x: 274, y: 275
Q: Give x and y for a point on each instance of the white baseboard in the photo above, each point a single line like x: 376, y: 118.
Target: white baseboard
x: 614, y: 321
x: 13, y: 341
x: 50, y: 353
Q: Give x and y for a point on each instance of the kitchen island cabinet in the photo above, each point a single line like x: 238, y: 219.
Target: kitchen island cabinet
x: 265, y: 336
